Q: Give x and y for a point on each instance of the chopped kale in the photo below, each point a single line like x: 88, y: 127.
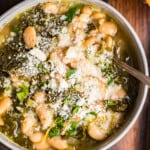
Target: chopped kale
x: 118, y: 106
x: 110, y: 80
x: 72, y: 129
x: 70, y: 73
x: 16, y: 29
x: 59, y: 122
x: 111, y: 103
x: 66, y: 101
x: 92, y: 113
x: 55, y: 131
x: 41, y: 68
x: 75, y: 109
x: 22, y: 93
x: 72, y: 12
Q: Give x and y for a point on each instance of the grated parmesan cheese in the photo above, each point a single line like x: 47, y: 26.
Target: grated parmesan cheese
x: 38, y: 54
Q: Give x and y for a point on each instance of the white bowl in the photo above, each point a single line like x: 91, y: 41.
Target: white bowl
x: 137, y: 49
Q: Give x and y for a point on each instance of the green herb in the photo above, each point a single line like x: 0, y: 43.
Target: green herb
x: 92, y: 113
x: 72, y: 12
x: 72, y: 129
x: 70, y: 73
x: 55, y: 131
x: 110, y: 80
x: 59, y: 122
x: 22, y: 93
x: 66, y: 101
x: 40, y: 67
x: 118, y: 106
x: 105, y: 68
x: 45, y: 70
x: 16, y: 29
x: 110, y: 103
x: 75, y: 109
x: 8, y: 88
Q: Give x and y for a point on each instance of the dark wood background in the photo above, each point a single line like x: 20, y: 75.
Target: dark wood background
x: 138, y: 15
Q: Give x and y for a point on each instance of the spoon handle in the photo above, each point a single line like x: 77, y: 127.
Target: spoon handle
x: 137, y: 74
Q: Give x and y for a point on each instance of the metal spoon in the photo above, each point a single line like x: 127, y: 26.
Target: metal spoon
x: 135, y: 73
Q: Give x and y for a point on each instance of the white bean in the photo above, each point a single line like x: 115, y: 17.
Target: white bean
x: 43, y: 145
x: 50, y: 8
x: 118, y: 94
x: 97, y: 15
x: 89, y: 41
x: 62, y: 9
x: 78, y: 23
x: 101, y: 21
x: 27, y: 126
x: 39, y: 97
x: 29, y: 36
x: 36, y: 137
x: 93, y: 32
x: 84, y: 18
x: 109, y: 42
x: 86, y: 10
x: 58, y: 143
x: 45, y: 115
x: 79, y: 36
x: 96, y: 132
x: 5, y: 103
x: 14, y: 78
x: 108, y: 28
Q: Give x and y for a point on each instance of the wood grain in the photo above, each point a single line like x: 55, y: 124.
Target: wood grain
x: 138, y: 14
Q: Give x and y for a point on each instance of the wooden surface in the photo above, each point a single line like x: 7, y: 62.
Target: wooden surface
x: 138, y: 15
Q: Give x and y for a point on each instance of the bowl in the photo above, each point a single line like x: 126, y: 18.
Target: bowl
x: 138, y: 52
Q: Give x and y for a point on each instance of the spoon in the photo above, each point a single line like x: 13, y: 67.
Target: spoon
x: 134, y: 72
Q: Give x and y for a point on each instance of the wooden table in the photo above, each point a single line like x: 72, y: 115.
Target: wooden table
x: 138, y: 15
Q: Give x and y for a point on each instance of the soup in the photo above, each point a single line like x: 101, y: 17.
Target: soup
x: 60, y: 88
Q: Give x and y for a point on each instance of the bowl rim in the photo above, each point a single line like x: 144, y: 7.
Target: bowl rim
x: 12, y: 12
